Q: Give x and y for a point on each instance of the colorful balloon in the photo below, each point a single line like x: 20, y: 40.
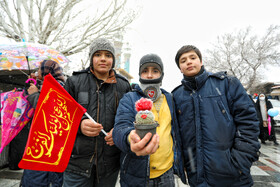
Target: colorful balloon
x: 273, y: 112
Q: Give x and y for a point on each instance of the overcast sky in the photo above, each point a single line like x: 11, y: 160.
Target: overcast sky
x: 164, y: 26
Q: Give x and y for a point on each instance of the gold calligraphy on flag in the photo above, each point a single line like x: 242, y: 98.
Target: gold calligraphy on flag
x: 51, y: 129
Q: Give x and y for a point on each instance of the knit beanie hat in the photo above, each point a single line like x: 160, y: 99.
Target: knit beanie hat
x: 186, y: 49
x: 101, y: 44
x: 150, y: 60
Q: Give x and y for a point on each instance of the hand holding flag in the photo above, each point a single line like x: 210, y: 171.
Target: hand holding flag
x: 95, y: 122
x: 53, y: 130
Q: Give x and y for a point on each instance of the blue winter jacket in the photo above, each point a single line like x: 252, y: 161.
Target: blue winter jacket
x: 219, y: 129
x: 135, y: 169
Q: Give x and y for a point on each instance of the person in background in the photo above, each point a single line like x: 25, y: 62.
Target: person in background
x: 218, y: 124
x: 263, y: 105
x: 31, y: 178
x: 95, y: 160
x: 255, y: 96
x: 142, y: 163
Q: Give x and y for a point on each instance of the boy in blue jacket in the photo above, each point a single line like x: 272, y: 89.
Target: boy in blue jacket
x: 218, y: 124
x: 153, y: 163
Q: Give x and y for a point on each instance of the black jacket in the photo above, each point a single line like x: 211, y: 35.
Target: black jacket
x: 101, y: 101
x: 264, y: 135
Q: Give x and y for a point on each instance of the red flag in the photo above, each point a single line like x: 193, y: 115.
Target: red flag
x: 53, y: 130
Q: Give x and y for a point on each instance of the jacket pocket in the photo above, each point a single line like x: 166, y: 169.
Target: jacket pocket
x: 125, y: 163
x: 214, y: 179
x: 84, y: 146
x: 219, y: 163
x: 223, y: 110
x: 83, y: 99
x: 132, y: 165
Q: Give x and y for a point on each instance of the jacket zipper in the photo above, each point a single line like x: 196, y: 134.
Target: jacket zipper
x: 98, y: 102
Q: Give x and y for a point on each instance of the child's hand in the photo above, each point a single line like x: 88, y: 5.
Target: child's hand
x: 90, y: 128
x: 109, y: 138
x: 32, y: 89
x: 140, y: 146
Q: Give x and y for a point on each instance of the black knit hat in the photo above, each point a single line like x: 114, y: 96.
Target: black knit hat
x: 150, y: 60
x: 186, y: 49
x: 101, y: 44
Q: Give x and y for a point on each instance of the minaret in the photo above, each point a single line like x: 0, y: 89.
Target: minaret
x: 127, y: 56
x: 122, y: 57
x: 118, y: 43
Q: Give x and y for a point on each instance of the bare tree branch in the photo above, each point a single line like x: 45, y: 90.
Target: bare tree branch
x: 64, y: 24
x: 244, y: 55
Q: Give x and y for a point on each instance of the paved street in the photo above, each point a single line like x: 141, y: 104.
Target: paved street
x: 266, y: 171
